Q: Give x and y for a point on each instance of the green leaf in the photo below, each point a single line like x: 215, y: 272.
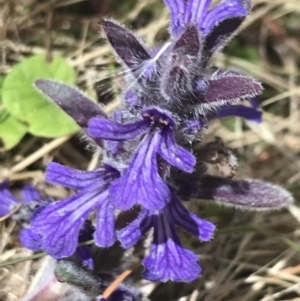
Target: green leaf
x: 11, y: 129
x: 25, y: 103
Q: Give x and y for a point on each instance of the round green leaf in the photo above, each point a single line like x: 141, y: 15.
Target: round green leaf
x: 22, y: 100
x: 11, y: 130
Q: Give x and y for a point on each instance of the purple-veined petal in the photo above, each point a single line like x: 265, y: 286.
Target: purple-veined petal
x: 30, y: 194
x: 190, y: 222
x: 177, y: 11
x: 105, y: 224
x: 110, y: 130
x: 239, y: 111
x: 230, y: 88
x: 141, y: 182
x: 176, y: 155
x: 196, y: 10
x: 249, y: 193
x: 168, y: 260
x: 73, y: 178
x: 71, y: 100
x: 225, y: 10
x: 30, y: 239
x: 125, y: 44
x: 59, y: 223
x: 132, y: 233
x: 7, y: 200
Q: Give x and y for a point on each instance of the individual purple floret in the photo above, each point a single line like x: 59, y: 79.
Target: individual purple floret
x: 59, y: 223
x: 168, y: 260
x: 143, y: 182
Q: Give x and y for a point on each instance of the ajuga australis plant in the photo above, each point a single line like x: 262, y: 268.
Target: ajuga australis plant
x: 153, y: 157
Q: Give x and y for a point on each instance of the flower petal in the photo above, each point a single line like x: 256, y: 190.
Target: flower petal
x: 197, y: 9
x: 73, y: 178
x: 71, y: 100
x: 105, y: 229
x: 110, y: 130
x: 132, y: 233
x: 225, y: 10
x: 190, y: 222
x: 30, y: 239
x: 178, y: 11
x: 176, y: 155
x: 239, y: 111
x: 168, y: 260
x: 248, y: 194
x: 141, y: 182
x: 59, y: 223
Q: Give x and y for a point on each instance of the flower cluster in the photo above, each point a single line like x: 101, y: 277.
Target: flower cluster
x: 152, y: 155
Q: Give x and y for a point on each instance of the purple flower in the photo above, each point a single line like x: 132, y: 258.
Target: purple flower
x: 59, y: 223
x: 7, y: 201
x: 216, y: 25
x: 168, y: 260
x: 143, y: 181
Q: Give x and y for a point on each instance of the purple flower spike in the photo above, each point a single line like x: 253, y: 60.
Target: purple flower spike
x: 59, y: 224
x: 141, y: 182
x: 248, y: 194
x: 168, y: 260
x: 71, y: 100
x: 7, y: 201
